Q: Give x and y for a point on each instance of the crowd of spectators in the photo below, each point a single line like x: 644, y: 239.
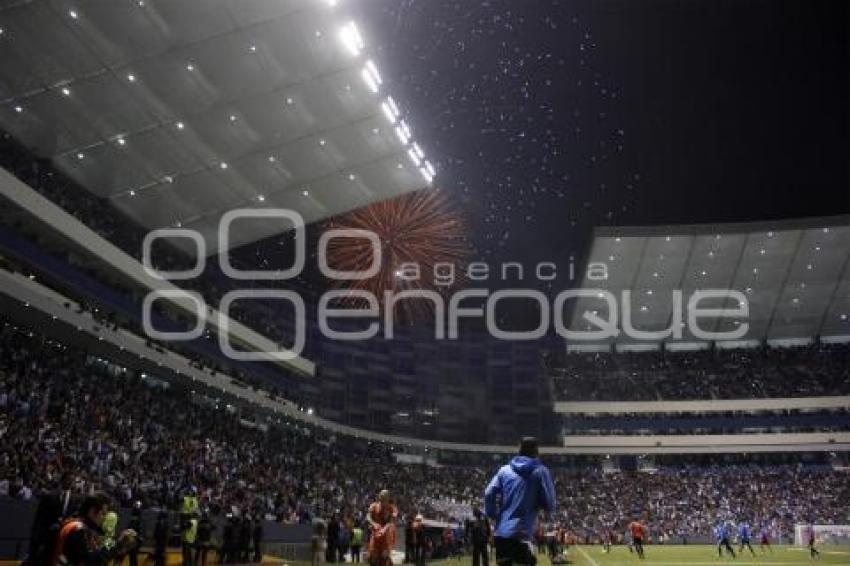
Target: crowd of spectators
x: 742, y: 373
x: 138, y: 441
x: 149, y: 440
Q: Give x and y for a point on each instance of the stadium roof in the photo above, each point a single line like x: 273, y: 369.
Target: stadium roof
x: 794, y: 274
x: 180, y: 111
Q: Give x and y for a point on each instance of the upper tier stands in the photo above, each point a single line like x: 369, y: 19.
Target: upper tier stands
x: 749, y: 373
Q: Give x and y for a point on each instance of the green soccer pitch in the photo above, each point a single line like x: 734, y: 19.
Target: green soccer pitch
x: 695, y: 554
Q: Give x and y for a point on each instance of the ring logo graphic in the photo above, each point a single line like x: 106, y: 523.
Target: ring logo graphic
x: 700, y: 317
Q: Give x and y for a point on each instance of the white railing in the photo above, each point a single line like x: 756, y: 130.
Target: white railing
x: 706, y: 406
x: 67, y: 225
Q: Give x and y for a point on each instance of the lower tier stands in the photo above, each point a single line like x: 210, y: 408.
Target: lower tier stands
x: 64, y: 411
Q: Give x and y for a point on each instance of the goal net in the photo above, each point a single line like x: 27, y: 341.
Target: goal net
x: 824, y: 534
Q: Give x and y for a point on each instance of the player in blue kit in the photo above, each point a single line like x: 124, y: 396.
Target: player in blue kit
x: 744, y: 534
x: 722, y: 533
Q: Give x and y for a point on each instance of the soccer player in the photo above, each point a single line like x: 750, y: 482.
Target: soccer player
x: 637, y: 530
x: 513, y: 498
x: 765, y: 540
x: 381, y: 517
x: 744, y: 536
x: 813, y: 552
x: 722, y: 533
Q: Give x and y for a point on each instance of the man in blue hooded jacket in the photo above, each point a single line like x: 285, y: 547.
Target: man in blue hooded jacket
x: 514, y: 497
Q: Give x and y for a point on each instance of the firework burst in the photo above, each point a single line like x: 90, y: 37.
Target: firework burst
x: 423, y: 228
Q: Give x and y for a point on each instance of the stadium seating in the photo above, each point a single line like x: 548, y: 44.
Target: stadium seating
x: 805, y: 371
x: 143, y: 438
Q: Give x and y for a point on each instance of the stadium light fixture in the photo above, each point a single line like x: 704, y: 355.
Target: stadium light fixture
x: 390, y: 110
x: 131, y: 77
x: 66, y: 91
x: 414, y: 158
x: 370, y: 81
x: 402, y: 133
x: 350, y: 37
x: 73, y: 13
x: 393, y: 107
x: 385, y: 108
x: 373, y: 70
x: 418, y: 151
x: 430, y: 169
x: 19, y: 109
x: 426, y: 175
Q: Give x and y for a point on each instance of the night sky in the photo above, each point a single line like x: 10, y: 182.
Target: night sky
x: 547, y: 118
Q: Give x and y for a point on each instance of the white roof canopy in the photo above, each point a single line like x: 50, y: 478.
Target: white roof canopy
x: 794, y: 274
x: 180, y: 110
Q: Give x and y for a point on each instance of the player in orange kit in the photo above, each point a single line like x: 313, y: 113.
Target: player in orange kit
x: 637, y: 531
x: 382, y: 515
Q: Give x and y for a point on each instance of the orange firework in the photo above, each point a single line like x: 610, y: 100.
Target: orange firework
x: 422, y: 228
